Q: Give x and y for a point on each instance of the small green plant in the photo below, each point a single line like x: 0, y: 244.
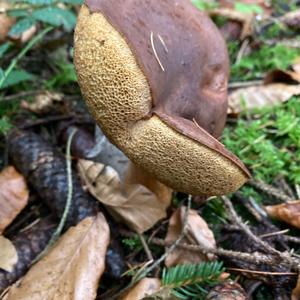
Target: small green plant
x: 189, y: 281
x: 5, y: 125
x: 248, y: 8
x: 267, y: 58
x: 49, y: 13
x: 204, y: 4
x: 133, y: 243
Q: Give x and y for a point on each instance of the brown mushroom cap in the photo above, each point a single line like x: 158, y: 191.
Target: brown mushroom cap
x: 154, y: 75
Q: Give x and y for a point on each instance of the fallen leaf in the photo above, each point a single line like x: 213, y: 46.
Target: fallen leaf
x: 282, y: 76
x: 260, y: 96
x: 72, y: 268
x: 134, y: 204
x: 245, y: 19
x: 145, y: 287
x: 288, y: 212
x: 5, y: 21
x: 135, y: 175
x: 8, y: 254
x: 42, y: 102
x: 13, y: 196
x: 198, y: 233
x: 285, y: 76
x: 296, y: 291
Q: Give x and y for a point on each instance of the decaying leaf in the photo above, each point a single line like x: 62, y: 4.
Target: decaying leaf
x: 72, y: 268
x: 8, y: 254
x: 244, y: 18
x: 135, y: 175
x: 42, y: 102
x: 296, y: 291
x: 5, y: 20
x: 198, y: 233
x: 285, y: 76
x: 145, y: 287
x: 288, y: 212
x: 13, y: 196
x: 134, y: 204
x: 260, y: 96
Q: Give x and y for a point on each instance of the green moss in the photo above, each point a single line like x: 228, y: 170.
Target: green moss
x: 267, y: 58
x: 269, y: 144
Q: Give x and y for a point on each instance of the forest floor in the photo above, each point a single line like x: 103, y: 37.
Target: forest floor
x: 56, y: 186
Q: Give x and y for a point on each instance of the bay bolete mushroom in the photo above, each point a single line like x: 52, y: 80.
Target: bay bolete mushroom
x: 154, y: 75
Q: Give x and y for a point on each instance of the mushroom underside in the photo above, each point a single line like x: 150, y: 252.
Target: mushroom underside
x: 118, y: 96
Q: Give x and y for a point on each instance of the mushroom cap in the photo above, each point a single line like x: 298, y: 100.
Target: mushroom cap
x: 154, y: 75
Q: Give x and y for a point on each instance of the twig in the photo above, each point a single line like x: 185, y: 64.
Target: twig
x: 284, y: 256
x: 264, y: 273
x: 22, y: 53
x: 46, y: 120
x: 270, y: 190
x: 62, y: 222
x: 297, y: 187
x: 235, y: 85
x: 274, y: 233
x: 155, y: 53
x: 285, y: 187
x: 19, y: 96
x: 255, y: 258
x: 242, y: 50
x: 146, y: 247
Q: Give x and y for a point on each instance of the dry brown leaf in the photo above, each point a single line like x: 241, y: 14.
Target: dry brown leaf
x: 13, y: 196
x: 8, y: 254
x: 260, y: 96
x: 245, y: 19
x: 285, y: 76
x: 134, y: 204
x: 42, y: 102
x: 296, y: 291
x: 145, y: 287
x: 6, y: 21
x: 72, y: 268
x: 198, y: 233
x: 288, y: 212
x: 135, y: 175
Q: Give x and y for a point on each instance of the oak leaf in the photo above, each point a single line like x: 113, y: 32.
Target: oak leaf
x: 8, y: 254
x: 13, y: 196
x: 72, y: 268
x: 145, y: 287
x: 198, y: 233
x: 296, y: 291
x: 288, y: 212
x: 133, y: 204
x: 260, y: 96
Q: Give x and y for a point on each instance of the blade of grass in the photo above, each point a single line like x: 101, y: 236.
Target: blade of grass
x: 30, y: 44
